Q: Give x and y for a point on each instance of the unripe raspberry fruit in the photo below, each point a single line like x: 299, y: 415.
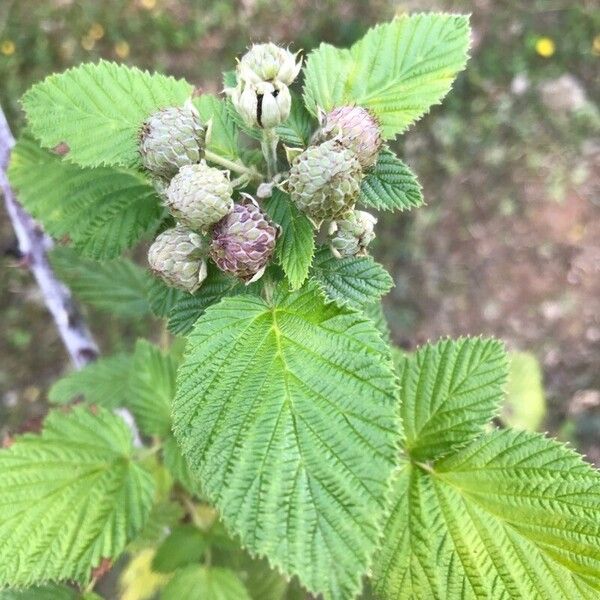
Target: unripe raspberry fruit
x: 324, y: 181
x: 243, y: 242
x: 170, y: 139
x: 177, y: 256
x: 268, y: 62
x: 356, y: 129
x: 199, y: 196
x: 350, y: 235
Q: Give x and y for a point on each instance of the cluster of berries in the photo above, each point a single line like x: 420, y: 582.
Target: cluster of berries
x: 323, y: 181
x: 238, y: 237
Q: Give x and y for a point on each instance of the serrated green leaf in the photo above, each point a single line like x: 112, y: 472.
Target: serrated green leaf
x: 449, y: 391
x: 204, y: 583
x: 286, y: 414
x: 391, y: 185
x: 525, y: 405
x: 513, y: 515
x: 188, y: 308
x: 298, y: 128
x: 161, y: 297
x: 70, y: 497
x: 224, y: 137
x: 151, y: 388
x: 98, y: 110
x: 185, y: 545
x: 104, y: 382
x: 41, y: 592
x: 376, y: 313
x: 102, y: 211
x: 397, y: 70
x: 178, y: 467
x: 355, y: 281
x: 117, y: 286
x: 296, y: 242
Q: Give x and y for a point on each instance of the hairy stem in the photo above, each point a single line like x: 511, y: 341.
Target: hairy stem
x: 232, y: 165
x: 268, y: 146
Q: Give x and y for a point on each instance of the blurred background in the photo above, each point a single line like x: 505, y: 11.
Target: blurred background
x: 508, y: 244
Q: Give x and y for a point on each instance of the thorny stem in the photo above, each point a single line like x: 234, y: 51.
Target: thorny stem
x: 234, y: 166
x: 268, y: 145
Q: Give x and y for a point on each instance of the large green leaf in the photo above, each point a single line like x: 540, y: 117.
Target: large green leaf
x: 70, y: 497
x: 391, y: 185
x: 162, y: 297
x: 355, y: 281
x: 98, y: 110
x: 397, y: 70
x: 513, y: 515
x: 151, y: 388
x: 205, y: 583
x: 298, y: 128
x: 42, y: 592
x: 296, y: 241
x: 104, y: 382
x: 223, y: 137
x: 185, y: 545
x: 102, y: 211
x: 286, y: 413
x: 117, y: 286
x: 448, y: 392
x: 188, y: 308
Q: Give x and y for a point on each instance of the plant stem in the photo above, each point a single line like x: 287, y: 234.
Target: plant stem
x: 268, y: 146
x: 234, y: 166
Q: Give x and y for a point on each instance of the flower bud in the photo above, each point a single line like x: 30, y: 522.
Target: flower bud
x: 356, y: 129
x: 199, y: 196
x: 269, y: 63
x: 244, y: 242
x: 177, y: 256
x: 350, y: 235
x: 262, y: 104
x: 170, y: 139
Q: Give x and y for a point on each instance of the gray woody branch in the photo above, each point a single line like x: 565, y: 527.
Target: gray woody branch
x: 34, y: 245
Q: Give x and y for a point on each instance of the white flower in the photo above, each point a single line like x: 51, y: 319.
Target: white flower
x: 262, y: 104
x: 268, y: 63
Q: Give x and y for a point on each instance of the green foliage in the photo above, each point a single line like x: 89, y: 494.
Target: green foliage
x: 299, y: 127
x: 198, y: 583
x: 525, y: 404
x: 42, y: 592
x: 178, y: 466
x: 101, y: 211
x: 223, y: 139
x: 355, y: 281
x: 398, y: 70
x: 188, y: 308
x: 286, y: 414
x: 391, y: 185
x: 151, y: 388
x: 70, y: 497
x: 104, y: 382
x: 185, y: 545
x: 510, y: 515
x: 161, y: 297
x: 448, y: 392
x: 110, y: 100
x: 116, y: 286
x: 296, y: 243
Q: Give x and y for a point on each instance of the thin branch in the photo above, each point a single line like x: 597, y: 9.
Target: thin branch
x: 34, y: 245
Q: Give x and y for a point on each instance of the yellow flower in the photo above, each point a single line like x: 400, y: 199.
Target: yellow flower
x: 148, y: 4
x: 545, y: 47
x: 7, y: 47
x: 96, y: 31
x: 122, y: 49
x: 596, y: 45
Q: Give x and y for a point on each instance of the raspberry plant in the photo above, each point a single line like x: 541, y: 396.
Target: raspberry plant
x: 289, y: 447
